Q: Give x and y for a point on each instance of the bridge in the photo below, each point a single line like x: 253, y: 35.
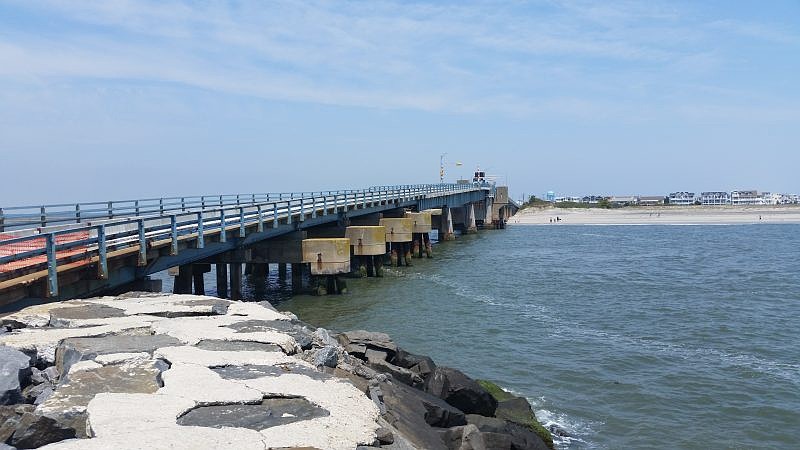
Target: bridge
x: 64, y: 251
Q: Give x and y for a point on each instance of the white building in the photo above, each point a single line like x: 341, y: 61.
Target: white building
x: 682, y: 198
x: 715, y: 198
x: 747, y: 198
x: 624, y: 200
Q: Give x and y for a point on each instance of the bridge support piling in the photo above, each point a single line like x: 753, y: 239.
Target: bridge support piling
x: 183, y: 281
x: 428, y: 246
x: 199, y: 285
x: 222, y: 280
x: 470, y: 226
x: 297, y: 277
x: 282, y: 272
x: 446, y: 226
x: 236, y: 281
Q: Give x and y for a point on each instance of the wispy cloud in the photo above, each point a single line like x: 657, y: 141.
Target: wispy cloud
x: 558, y: 57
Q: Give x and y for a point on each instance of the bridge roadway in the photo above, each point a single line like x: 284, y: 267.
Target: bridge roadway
x: 86, y: 249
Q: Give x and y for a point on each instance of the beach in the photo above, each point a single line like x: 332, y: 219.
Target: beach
x: 663, y: 215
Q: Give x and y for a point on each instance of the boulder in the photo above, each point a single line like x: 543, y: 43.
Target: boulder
x: 357, y: 342
x: 327, y: 356
x: 422, y: 365
x: 516, y: 436
x: 415, y: 414
x: 15, y: 374
x: 398, y: 373
x: 73, y: 350
x: 384, y: 435
x: 22, y: 427
x: 460, y: 391
x: 68, y: 404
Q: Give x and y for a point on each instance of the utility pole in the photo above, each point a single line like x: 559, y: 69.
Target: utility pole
x: 441, y: 167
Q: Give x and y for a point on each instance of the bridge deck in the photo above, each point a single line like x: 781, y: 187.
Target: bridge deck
x: 183, y: 233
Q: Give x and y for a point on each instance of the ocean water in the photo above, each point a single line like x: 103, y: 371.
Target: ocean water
x: 623, y: 336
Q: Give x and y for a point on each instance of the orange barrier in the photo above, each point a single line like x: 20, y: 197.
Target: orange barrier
x: 39, y: 243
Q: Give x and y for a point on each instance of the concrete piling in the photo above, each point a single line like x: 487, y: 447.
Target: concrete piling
x: 282, y: 272
x: 183, y: 280
x: 222, y: 280
x: 297, y: 277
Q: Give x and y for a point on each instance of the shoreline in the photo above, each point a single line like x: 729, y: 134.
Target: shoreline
x: 661, y: 215
x: 181, y: 367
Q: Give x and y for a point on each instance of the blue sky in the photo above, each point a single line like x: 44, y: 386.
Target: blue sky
x: 113, y: 99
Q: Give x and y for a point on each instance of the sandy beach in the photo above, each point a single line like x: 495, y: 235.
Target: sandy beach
x: 665, y: 215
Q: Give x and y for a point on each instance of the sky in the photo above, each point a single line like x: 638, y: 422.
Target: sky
x: 130, y: 99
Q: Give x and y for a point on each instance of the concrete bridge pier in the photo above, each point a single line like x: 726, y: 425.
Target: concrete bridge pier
x: 446, y: 232
x: 470, y: 226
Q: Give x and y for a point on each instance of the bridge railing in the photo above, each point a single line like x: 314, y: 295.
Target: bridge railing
x: 22, y: 217
x: 89, y: 242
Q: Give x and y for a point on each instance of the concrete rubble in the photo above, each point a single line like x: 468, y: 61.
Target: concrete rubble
x: 183, y: 372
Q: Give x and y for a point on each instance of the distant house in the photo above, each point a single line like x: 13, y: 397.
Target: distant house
x: 651, y: 200
x: 682, y: 198
x: 624, y: 200
x: 592, y: 199
x: 715, y: 198
x: 747, y: 198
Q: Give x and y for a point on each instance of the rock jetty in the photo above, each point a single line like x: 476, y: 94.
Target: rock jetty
x: 152, y: 371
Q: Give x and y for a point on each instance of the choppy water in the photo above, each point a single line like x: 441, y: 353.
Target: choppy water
x: 627, y: 337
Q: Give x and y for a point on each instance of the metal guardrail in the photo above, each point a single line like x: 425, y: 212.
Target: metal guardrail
x: 171, y: 221
x: 16, y: 218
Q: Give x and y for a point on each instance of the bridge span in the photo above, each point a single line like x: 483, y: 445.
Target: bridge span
x: 64, y: 251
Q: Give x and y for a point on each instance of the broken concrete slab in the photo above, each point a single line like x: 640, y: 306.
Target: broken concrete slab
x: 237, y: 346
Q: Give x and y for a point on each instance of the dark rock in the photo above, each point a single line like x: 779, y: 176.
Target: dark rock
x: 356, y: 342
x: 237, y: 346
x: 63, y: 317
x: 34, y: 391
x: 35, y: 430
x: 422, y: 365
x: 466, y: 437
x: 356, y: 350
x: 301, y: 334
x: 257, y: 371
x: 373, y: 355
x: 15, y: 374
x: 519, y: 436
x: 36, y: 376
x: 269, y: 413
x: 326, y: 356
x: 460, y: 391
x: 398, y: 373
x: 384, y: 435
x: 73, y: 350
x: 414, y: 413
x: 50, y: 374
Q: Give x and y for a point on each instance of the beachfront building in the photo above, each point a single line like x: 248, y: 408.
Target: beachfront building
x: 713, y: 198
x: 747, y: 198
x: 593, y: 199
x: 624, y: 200
x: 550, y: 196
x: 568, y: 199
x: 682, y: 198
x: 651, y: 200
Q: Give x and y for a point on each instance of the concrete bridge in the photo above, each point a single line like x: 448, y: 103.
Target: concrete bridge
x: 66, y: 251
